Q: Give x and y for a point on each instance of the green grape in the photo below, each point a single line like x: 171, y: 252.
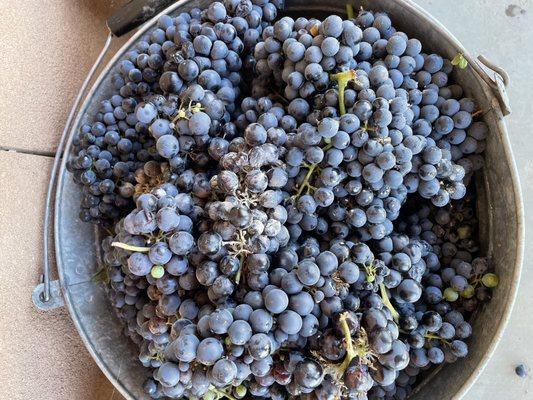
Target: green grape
x: 240, y: 390
x: 468, y: 292
x: 464, y: 232
x: 450, y: 294
x: 157, y: 271
x: 490, y: 280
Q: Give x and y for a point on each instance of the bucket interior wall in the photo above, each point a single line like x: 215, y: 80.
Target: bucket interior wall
x: 499, y: 209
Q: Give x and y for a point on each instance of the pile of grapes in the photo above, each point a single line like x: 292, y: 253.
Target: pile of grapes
x: 286, y: 205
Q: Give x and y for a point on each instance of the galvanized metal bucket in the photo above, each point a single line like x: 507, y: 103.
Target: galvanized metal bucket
x: 500, y: 204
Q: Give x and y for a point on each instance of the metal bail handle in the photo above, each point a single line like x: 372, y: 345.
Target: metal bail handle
x: 497, y: 78
x: 47, y: 295
x: 44, y: 296
x: 55, y: 300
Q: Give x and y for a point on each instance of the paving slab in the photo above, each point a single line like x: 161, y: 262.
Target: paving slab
x: 42, y: 356
x: 502, y: 31
x: 50, y: 46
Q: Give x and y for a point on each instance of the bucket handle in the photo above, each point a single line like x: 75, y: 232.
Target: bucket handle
x: 497, y: 79
x: 47, y: 294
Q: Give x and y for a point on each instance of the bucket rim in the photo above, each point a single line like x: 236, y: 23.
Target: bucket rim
x: 412, y: 8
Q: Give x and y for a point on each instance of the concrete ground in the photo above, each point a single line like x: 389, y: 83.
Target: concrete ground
x: 48, y: 47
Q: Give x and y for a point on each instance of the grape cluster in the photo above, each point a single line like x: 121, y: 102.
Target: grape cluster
x: 401, y: 128
x: 157, y: 232
x: 458, y: 272
x: 183, y: 77
x: 288, y: 205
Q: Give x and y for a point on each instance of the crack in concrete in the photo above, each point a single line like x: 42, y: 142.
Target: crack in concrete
x: 25, y: 151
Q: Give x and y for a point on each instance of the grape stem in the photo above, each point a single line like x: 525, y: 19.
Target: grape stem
x: 349, y: 11
x: 305, y: 183
x: 370, y: 272
x: 247, y: 198
x: 355, y: 347
x: 370, y: 129
x: 350, y: 351
x: 239, y: 271
x: 342, y: 79
x: 241, y: 251
x: 129, y: 247
x: 387, y: 302
x: 184, y: 112
x: 222, y: 393
x: 435, y: 337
